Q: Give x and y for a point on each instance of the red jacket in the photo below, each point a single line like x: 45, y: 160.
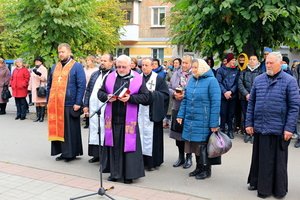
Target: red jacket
x: 19, y: 82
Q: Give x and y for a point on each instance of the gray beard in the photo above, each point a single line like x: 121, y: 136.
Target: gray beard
x: 270, y: 72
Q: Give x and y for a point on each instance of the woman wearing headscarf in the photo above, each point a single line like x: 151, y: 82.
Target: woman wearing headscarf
x: 199, y: 112
x: 38, y: 78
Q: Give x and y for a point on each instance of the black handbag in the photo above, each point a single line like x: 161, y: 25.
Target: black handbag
x: 41, y: 91
x: 5, y: 95
x: 175, y: 126
x: 204, y: 159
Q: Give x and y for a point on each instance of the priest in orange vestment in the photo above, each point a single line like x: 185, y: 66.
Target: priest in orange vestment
x: 66, y: 86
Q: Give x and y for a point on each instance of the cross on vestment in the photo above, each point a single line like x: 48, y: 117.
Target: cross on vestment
x: 151, y: 85
x: 59, y: 78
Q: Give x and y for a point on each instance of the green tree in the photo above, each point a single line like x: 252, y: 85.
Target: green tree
x: 89, y: 26
x: 213, y: 26
x: 9, y: 41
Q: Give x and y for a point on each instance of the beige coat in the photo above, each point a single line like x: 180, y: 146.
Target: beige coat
x: 35, y: 81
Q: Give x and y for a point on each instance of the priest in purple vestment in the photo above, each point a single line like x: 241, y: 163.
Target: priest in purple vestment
x: 121, y: 123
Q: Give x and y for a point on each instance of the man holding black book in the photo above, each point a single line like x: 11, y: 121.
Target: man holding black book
x: 121, y: 127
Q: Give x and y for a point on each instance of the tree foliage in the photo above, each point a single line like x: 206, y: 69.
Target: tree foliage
x: 213, y: 26
x: 89, y: 26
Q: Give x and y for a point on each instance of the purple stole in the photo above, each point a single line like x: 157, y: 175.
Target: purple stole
x: 131, y: 112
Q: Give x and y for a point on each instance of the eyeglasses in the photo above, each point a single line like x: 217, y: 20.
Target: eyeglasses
x: 123, y: 67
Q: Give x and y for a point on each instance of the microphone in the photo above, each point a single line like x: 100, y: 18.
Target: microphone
x: 128, y: 77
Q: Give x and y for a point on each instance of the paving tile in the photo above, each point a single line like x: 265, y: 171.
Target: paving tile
x: 36, y: 187
x: 16, y: 194
x: 26, y: 183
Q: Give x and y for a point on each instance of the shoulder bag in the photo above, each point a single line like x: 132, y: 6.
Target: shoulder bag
x: 5, y: 95
x: 41, y: 91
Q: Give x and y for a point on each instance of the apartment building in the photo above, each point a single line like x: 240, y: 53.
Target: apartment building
x: 146, y: 34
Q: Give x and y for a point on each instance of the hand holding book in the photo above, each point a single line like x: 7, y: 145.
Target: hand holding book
x: 124, y: 95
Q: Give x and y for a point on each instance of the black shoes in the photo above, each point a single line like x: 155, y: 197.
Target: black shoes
x: 195, y: 172
x: 180, y: 160
x: 59, y: 158
x: 94, y: 159
x: 251, y: 187
x: 70, y: 159
x: 178, y: 163
x: 150, y: 169
x: 202, y: 175
x: 262, y: 196
x: 206, y: 173
x: 128, y: 181
x: 22, y: 118
x: 188, y: 161
x: 297, y: 144
x: 247, y: 138
x: 17, y: 117
x: 112, y: 179
x: 279, y: 196
x: 230, y: 135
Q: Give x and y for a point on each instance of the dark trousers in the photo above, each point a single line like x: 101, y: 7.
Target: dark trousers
x: 21, y: 105
x: 3, y: 108
x: 244, y: 105
x: 238, y: 116
x: 227, y: 113
x: 30, y: 97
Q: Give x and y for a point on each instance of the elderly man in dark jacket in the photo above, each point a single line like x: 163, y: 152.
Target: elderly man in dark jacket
x: 271, y: 117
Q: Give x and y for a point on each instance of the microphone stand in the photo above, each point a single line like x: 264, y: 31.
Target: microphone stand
x: 101, y: 190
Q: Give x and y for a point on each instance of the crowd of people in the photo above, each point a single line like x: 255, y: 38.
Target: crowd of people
x: 128, y: 102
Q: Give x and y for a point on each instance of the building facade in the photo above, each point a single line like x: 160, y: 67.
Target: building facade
x: 146, y: 34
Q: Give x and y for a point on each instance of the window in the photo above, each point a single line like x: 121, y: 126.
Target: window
x: 158, y: 17
x: 127, y: 7
x: 159, y: 54
x: 121, y: 51
x: 128, y: 17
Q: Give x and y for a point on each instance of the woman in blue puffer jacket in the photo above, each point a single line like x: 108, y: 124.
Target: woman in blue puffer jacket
x: 200, y: 110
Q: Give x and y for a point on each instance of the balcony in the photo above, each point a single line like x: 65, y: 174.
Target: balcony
x: 130, y: 33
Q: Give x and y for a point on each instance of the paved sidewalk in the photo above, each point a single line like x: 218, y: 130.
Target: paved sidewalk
x: 27, y: 183
x: 27, y: 171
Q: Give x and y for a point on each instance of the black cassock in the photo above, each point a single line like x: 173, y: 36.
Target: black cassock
x: 72, y: 146
x: 268, y: 171
x: 159, y: 102
x: 127, y: 165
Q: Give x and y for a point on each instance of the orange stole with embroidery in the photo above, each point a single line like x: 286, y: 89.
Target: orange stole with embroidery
x: 56, y: 101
